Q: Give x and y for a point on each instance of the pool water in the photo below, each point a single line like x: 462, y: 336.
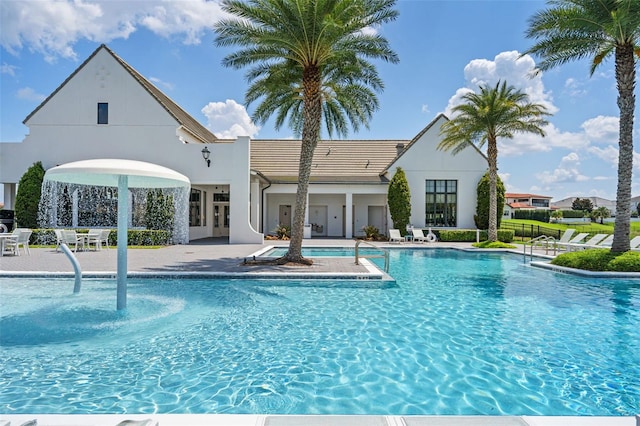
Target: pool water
x: 458, y: 333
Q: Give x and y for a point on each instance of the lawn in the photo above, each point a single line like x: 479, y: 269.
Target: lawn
x: 591, y: 228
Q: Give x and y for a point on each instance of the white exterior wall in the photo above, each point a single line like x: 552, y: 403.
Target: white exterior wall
x: 424, y: 161
x: 65, y: 129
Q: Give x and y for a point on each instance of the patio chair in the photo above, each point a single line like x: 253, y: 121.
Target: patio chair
x: 59, y: 237
x: 418, y: 235
x: 12, y: 245
x: 92, y: 237
x: 71, y: 238
x: 98, y: 237
x: 394, y: 236
x: 578, y: 238
x: 590, y: 243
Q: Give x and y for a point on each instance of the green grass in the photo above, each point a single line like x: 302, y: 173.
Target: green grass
x: 599, y: 260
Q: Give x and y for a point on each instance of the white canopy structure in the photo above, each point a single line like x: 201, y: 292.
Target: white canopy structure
x: 124, y: 174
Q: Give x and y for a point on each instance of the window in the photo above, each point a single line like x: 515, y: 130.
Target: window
x: 195, y: 208
x: 103, y: 113
x: 441, y: 202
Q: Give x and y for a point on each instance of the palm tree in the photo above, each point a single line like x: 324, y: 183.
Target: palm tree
x: 576, y: 29
x: 308, y: 60
x: 495, y: 112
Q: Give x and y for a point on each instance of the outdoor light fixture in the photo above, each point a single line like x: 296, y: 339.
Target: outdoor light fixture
x: 205, y: 154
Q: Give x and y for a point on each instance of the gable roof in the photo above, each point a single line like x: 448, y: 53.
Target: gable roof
x: 190, y: 124
x: 417, y: 138
x: 334, y: 161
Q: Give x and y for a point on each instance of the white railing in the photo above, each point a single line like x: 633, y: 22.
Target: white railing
x: 385, y: 254
x: 549, y: 243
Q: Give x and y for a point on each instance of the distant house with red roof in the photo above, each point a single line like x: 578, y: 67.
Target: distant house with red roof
x: 517, y: 201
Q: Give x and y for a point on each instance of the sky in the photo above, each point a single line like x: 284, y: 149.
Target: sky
x: 446, y: 48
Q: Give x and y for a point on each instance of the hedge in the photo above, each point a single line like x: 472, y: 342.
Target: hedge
x: 135, y: 237
x: 469, y: 235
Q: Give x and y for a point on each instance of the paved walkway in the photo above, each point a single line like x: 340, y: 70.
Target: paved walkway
x: 205, y: 256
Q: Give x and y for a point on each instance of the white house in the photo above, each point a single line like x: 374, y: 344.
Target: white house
x: 106, y: 109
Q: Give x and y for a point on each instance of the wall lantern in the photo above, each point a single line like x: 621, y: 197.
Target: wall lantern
x: 205, y: 154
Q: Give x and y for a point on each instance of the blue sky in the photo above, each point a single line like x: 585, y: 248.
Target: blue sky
x: 445, y: 47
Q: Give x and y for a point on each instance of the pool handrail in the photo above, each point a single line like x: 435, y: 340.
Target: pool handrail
x: 541, y: 240
x: 385, y: 254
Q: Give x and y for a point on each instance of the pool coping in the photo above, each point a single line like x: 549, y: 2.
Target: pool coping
x: 311, y: 420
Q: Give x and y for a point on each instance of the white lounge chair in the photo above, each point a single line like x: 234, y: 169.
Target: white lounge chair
x: 590, y: 243
x: 418, y: 235
x: 566, y: 235
x: 578, y: 238
x: 394, y: 236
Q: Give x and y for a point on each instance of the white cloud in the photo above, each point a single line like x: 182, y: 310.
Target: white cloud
x: 425, y: 109
x: 515, y: 70
x: 52, y: 27
x: 27, y: 93
x: 567, y: 171
x: 574, y: 88
x: 8, y: 69
x: 602, y: 129
x: 229, y: 119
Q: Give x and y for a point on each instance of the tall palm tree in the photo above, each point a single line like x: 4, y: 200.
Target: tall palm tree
x: 482, y: 118
x: 308, y: 60
x: 576, y: 29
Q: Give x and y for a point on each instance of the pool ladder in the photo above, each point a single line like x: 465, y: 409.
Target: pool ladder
x: 385, y: 254
x: 549, y: 243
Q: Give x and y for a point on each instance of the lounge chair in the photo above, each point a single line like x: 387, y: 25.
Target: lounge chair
x: 394, y: 236
x: 418, y: 235
x: 590, y: 243
x: 566, y: 235
x: 635, y: 243
x: 578, y: 238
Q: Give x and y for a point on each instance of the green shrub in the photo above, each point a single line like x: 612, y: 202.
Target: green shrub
x: 399, y: 200
x: 599, y: 260
x: 371, y: 232
x: 142, y: 237
x: 493, y: 245
x: 469, y: 235
x: 481, y: 217
x: 573, y: 214
x: 28, y: 197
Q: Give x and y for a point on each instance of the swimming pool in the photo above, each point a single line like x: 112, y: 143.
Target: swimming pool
x: 458, y: 333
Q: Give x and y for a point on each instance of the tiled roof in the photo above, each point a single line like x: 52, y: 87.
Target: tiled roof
x: 521, y: 206
x: 516, y: 195
x: 189, y: 123
x: 334, y: 161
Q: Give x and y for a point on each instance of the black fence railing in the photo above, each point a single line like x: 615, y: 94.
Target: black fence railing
x: 531, y: 231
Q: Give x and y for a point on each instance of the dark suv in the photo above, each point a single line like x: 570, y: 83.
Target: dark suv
x: 6, y: 221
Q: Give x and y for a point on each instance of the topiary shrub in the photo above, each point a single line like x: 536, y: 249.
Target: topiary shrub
x: 28, y: 197
x: 399, y: 201
x: 481, y: 217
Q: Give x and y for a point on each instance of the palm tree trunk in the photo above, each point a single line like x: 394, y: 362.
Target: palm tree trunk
x: 625, y: 77
x: 492, y: 154
x: 312, y: 116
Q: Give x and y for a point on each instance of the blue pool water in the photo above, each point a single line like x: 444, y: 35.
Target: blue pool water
x: 458, y: 333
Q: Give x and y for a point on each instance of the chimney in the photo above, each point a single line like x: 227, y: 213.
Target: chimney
x: 399, y: 148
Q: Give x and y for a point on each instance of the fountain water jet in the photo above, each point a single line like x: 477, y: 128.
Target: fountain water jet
x: 124, y: 174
